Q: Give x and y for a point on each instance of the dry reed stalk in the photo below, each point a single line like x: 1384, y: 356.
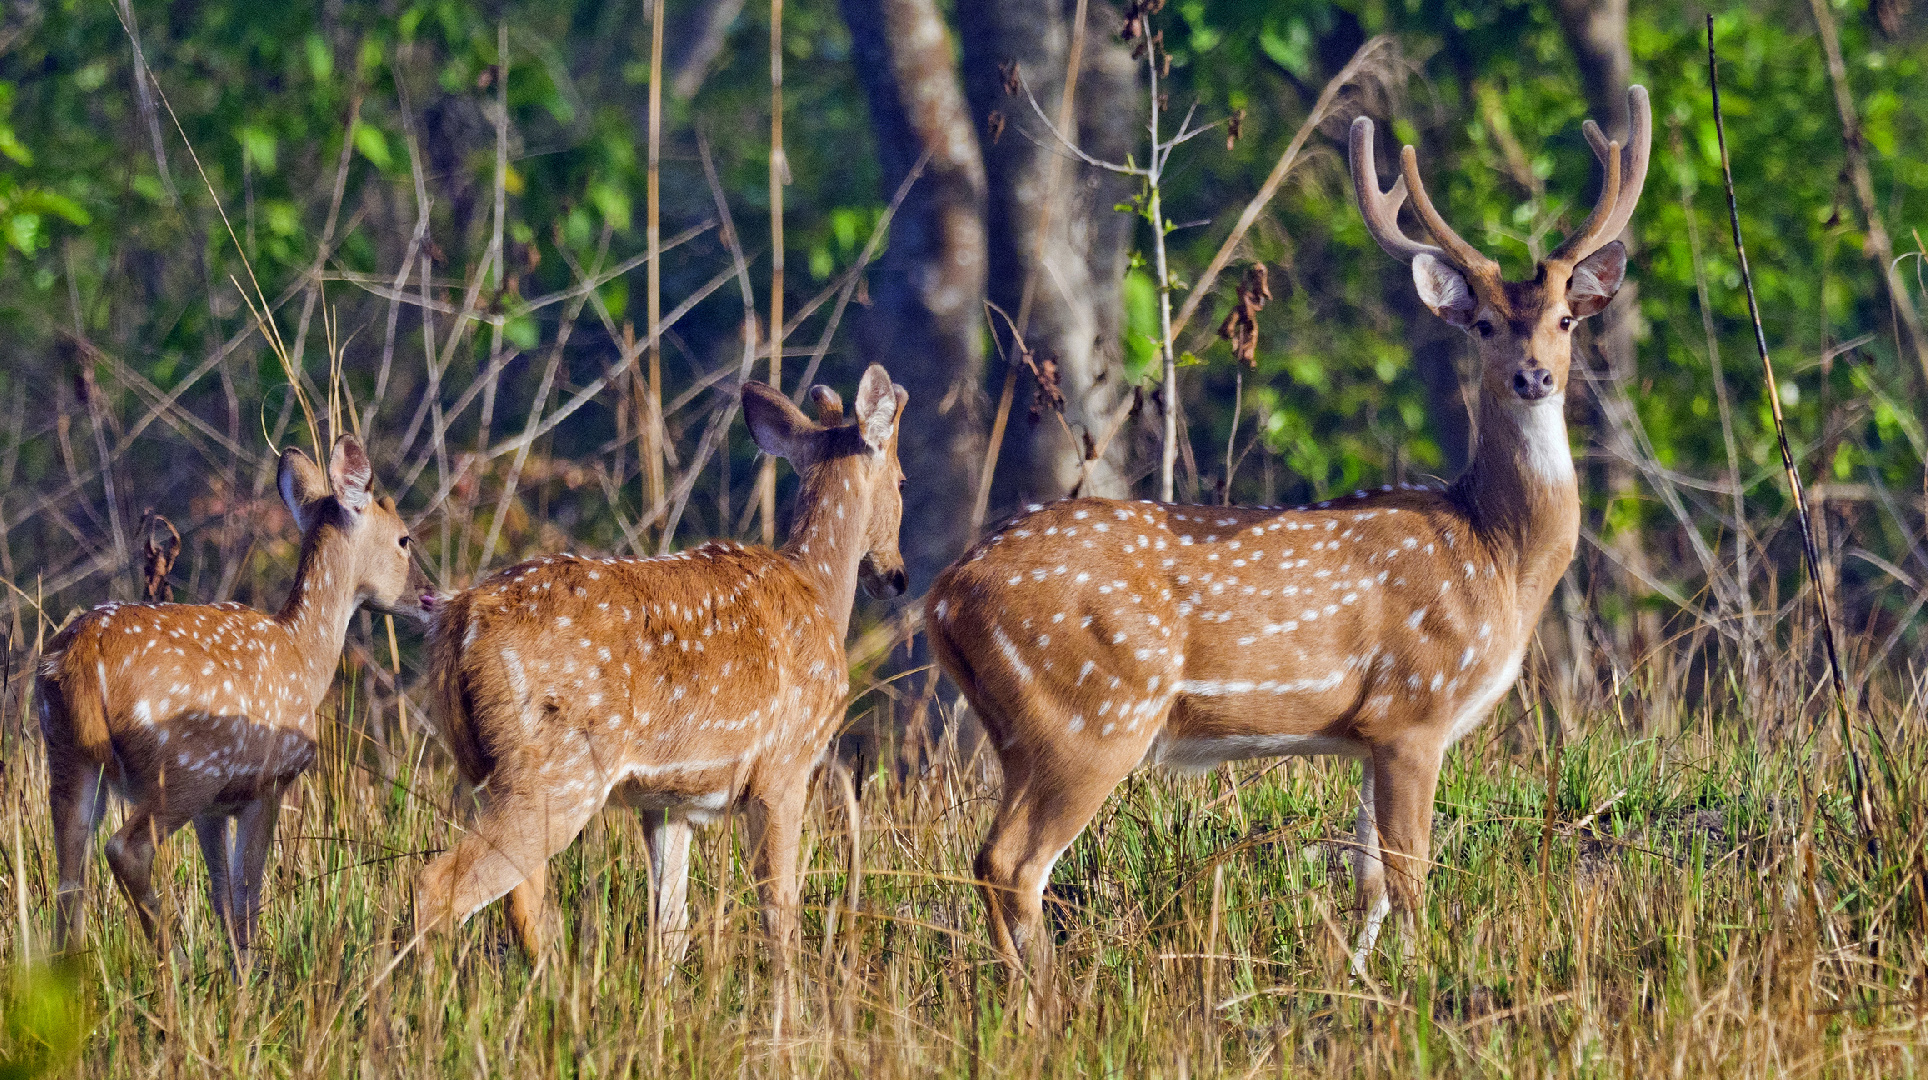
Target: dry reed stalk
x: 653, y: 435
x: 1857, y: 772
x: 779, y: 175
x: 1879, y: 245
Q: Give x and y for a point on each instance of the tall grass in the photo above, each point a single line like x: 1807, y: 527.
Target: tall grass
x: 1702, y: 907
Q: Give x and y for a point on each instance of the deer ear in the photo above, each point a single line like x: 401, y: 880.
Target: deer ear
x: 302, y: 486
x: 877, y: 407
x: 1596, y: 279
x: 1443, y: 289
x: 350, y: 473
x: 779, y: 428
x: 829, y: 406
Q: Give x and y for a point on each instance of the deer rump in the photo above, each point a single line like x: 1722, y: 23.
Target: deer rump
x: 664, y: 682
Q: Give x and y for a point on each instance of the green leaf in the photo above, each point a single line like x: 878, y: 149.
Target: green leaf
x: 23, y: 232
x: 612, y: 203
x: 321, y: 59
x: 373, y: 146
x: 1141, y: 326
x: 259, y: 145
x: 522, y: 332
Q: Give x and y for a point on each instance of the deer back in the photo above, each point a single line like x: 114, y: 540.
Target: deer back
x: 1257, y: 630
x: 679, y: 670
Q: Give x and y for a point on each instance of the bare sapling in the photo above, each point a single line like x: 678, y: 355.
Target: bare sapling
x: 1093, y: 635
x: 205, y: 713
x: 681, y: 686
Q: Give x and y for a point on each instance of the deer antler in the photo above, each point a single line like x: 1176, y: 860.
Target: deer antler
x: 1626, y: 173
x: 1381, y: 211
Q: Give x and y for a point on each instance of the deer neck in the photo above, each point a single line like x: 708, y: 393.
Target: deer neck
x: 320, y: 604
x: 827, y: 535
x: 1522, y: 495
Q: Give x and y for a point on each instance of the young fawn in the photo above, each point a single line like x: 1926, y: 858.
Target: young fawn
x: 206, y: 712
x: 1091, y: 635
x: 679, y: 685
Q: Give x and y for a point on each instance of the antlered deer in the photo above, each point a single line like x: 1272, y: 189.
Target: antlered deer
x: 679, y: 685
x: 206, y: 712
x: 1092, y: 635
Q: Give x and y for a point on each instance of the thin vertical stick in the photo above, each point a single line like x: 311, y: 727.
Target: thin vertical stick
x: 1168, y: 452
x: 395, y: 660
x: 25, y: 952
x: 779, y: 170
x: 653, y: 435
x: 1857, y: 776
x: 1720, y: 388
x: 1231, y: 440
x: 1208, y: 973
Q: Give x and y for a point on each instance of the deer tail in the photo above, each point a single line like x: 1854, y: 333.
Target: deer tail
x: 450, y: 704
x: 73, y: 681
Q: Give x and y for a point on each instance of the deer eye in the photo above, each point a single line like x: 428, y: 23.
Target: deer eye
x: 1483, y: 328
x: 404, y: 541
x: 1566, y: 322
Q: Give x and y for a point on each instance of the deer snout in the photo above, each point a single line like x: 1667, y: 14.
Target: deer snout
x: 883, y: 582
x: 1533, y: 383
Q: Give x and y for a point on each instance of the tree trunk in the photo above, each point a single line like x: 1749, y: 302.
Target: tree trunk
x: 1596, y: 31
x: 927, y: 290
x: 1059, y: 233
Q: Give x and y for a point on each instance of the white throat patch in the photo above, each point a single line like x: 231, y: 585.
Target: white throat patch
x: 1543, y: 437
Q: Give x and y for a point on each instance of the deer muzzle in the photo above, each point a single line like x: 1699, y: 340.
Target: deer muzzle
x: 1533, y: 383
x: 883, y: 582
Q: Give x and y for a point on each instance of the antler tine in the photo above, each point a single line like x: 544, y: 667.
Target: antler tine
x: 1592, y: 234
x: 1626, y: 174
x: 1381, y: 209
x: 1468, y: 257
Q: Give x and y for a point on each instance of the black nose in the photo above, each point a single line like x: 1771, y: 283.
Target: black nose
x: 1533, y: 383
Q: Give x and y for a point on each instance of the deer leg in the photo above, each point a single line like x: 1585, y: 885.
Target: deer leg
x: 253, y: 837
x: 1036, y: 821
x: 130, y: 853
x: 775, y: 823
x: 513, y: 838
x: 529, y: 912
x: 211, y: 829
x: 669, y: 869
x: 1368, y: 871
x: 1405, y: 776
x: 78, y: 799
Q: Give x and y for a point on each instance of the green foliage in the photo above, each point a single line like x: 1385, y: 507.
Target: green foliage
x: 45, y: 1022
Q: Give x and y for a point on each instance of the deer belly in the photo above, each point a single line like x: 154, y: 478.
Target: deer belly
x: 1204, y: 753
x: 698, y: 806
x: 239, y: 752
x: 1222, y: 719
x: 698, y: 790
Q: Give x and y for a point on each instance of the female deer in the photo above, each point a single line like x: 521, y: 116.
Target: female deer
x: 1093, y: 635
x: 679, y: 685
x: 206, y: 712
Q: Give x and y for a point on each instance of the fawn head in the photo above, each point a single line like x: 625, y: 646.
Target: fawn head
x: 859, y: 451
x: 381, y: 562
x: 1522, y: 329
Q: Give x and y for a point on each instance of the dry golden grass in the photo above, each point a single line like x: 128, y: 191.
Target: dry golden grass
x: 1701, y: 906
